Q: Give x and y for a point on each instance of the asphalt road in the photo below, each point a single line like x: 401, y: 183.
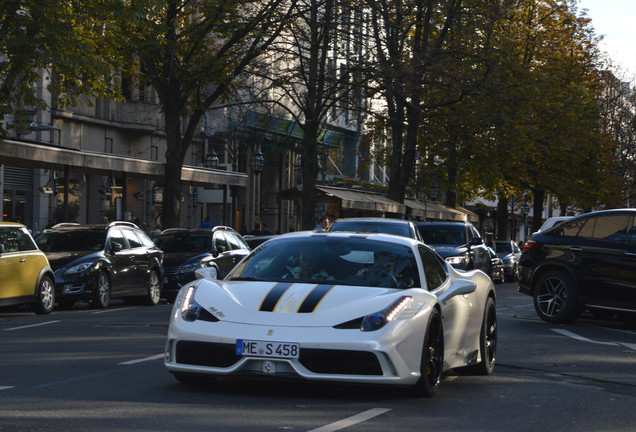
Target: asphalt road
x: 85, y: 370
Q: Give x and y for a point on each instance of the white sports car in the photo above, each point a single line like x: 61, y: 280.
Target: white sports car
x: 357, y: 308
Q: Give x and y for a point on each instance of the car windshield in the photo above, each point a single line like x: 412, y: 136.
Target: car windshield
x: 331, y: 260
x: 180, y: 242
x: 443, y: 234
x: 504, y: 248
x: 372, y: 227
x: 72, y: 241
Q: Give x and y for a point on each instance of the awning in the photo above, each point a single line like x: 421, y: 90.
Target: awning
x: 349, y: 199
x: 33, y: 155
x: 437, y: 211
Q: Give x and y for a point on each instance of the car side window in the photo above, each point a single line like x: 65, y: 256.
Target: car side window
x: 16, y: 240
x: 631, y: 231
x: 232, y: 241
x: 611, y: 227
x: 606, y: 227
x: 145, y: 239
x: 132, y: 238
x: 434, y: 270
x: 25, y: 242
x: 220, y: 243
x: 116, y: 236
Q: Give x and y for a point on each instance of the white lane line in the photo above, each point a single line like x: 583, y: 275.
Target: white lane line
x: 131, y: 362
x: 112, y: 310
x: 584, y: 339
x: 32, y: 325
x: 358, y: 418
x: 5, y: 387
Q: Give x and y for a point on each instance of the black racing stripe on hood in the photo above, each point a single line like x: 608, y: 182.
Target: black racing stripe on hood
x: 273, y: 296
x: 314, y: 298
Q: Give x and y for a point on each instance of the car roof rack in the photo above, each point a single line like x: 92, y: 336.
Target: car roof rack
x: 123, y: 223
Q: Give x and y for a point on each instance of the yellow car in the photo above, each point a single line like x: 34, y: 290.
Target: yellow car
x: 25, y: 274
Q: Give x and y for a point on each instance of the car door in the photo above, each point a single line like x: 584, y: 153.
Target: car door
x: 140, y: 260
x: 122, y: 261
x: 606, y: 262
x: 456, y: 310
x: 225, y: 258
x: 20, y: 263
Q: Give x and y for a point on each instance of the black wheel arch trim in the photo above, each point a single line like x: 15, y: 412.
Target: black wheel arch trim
x: 548, y: 266
x: 44, y: 271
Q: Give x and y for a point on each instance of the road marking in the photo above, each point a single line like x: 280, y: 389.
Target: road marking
x: 358, y: 418
x: 584, y: 339
x: 112, y: 310
x: 131, y: 362
x: 32, y: 325
x: 5, y: 387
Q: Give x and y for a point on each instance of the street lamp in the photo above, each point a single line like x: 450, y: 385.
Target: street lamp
x: 433, y: 192
x: 211, y: 159
x: 257, y: 162
x: 525, y: 209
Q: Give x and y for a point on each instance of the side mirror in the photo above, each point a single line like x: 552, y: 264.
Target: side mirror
x: 458, y: 287
x: 476, y: 241
x: 218, y: 250
x: 206, y: 273
x: 116, y: 247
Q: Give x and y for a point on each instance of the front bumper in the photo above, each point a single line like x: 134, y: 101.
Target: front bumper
x: 326, y: 353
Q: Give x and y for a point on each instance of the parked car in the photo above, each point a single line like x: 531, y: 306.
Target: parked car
x: 496, y: 267
x: 186, y: 250
x: 255, y: 240
x: 459, y: 243
x: 97, y: 263
x: 25, y: 274
x: 588, y: 262
x: 552, y: 221
x: 373, y: 309
x: 402, y: 227
x: 510, y: 253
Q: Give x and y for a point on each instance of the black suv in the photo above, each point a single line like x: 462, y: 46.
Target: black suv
x: 459, y: 243
x: 97, y: 263
x: 401, y: 227
x: 187, y: 250
x: 587, y: 262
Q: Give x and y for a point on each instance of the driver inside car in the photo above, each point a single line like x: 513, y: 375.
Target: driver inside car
x: 311, y: 267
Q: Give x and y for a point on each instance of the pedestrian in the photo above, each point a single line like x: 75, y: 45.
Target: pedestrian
x: 265, y: 230
x: 206, y: 224
x: 323, y: 223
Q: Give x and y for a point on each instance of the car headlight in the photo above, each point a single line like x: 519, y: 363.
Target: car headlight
x: 457, y: 259
x: 379, y: 319
x: 192, y: 267
x: 79, y: 268
x: 190, y: 309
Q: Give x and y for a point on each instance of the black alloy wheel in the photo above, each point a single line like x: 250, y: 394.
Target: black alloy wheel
x: 555, y: 298
x: 432, y: 357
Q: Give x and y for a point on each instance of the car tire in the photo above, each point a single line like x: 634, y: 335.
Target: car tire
x: 514, y: 275
x: 555, y: 298
x: 432, y: 361
x: 100, y: 298
x: 154, y: 289
x: 45, y: 296
x: 487, y: 342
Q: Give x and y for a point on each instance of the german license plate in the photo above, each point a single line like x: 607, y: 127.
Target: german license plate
x: 267, y: 349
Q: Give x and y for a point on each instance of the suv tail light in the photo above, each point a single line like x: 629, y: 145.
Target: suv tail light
x: 530, y: 244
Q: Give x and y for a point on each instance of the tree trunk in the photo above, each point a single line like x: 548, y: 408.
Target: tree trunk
x: 309, y: 173
x: 171, y: 208
x: 537, y: 209
x: 502, y: 219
